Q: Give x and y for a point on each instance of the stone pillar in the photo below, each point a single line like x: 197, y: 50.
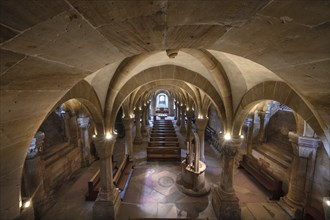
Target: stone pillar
x: 170, y: 106
x: 183, y: 120
x: 302, y: 174
x: 249, y: 135
x: 178, y: 120
x: 138, y: 136
x: 190, y: 115
x: 224, y: 201
x: 107, y: 203
x: 66, y: 119
x: 83, y: 123
x: 128, y: 125
x: 201, y: 124
x: 144, y: 131
x: 33, y: 176
x: 147, y: 114
x: 261, y: 133
x: 176, y: 111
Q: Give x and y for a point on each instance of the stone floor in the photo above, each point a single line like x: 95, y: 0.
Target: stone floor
x: 152, y: 192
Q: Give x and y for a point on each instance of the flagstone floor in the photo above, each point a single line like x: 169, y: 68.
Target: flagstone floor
x: 152, y: 192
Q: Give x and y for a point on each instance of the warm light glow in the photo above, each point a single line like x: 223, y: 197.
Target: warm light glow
x: 187, y: 109
x: 27, y: 204
x: 327, y: 202
x: 220, y: 132
x: 20, y: 203
x: 115, y: 132
x: 145, y: 105
x: 227, y: 136
x: 242, y: 136
x: 132, y: 115
x: 94, y: 136
x: 108, y: 136
x: 193, y: 109
x: 140, y: 108
x: 181, y: 105
x: 200, y: 116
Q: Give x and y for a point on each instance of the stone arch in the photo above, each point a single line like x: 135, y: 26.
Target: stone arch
x: 165, y: 72
x: 282, y: 93
x: 81, y: 91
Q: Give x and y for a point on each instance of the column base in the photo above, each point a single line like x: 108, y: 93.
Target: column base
x: 225, y: 205
x: 107, y: 209
x: 293, y: 209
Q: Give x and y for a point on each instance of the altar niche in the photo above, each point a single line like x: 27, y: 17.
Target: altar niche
x: 192, y: 179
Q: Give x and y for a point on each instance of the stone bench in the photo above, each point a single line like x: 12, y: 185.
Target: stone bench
x: 263, y: 177
x: 93, y: 185
x: 123, y: 175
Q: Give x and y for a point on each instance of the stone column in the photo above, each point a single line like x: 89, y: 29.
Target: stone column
x: 201, y: 124
x: 176, y: 111
x: 147, y: 114
x: 144, y: 131
x: 66, y: 119
x: 178, y: 120
x: 224, y: 201
x: 107, y: 203
x: 83, y: 123
x: 138, y: 136
x: 170, y: 106
x: 190, y: 115
x: 128, y: 125
x: 302, y: 173
x: 33, y: 176
x: 249, y: 135
x: 183, y: 120
x: 261, y: 133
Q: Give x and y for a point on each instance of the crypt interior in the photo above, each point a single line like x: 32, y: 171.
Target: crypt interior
x: 165, y: 109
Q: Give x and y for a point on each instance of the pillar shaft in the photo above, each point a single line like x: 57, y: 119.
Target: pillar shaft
x: 183, y: 120
x: 138, y: 136
x: 108, y: 200
x: 261, y: 133
x: 190, y: 115
x: 250, y: 134
x: 83, y: 123
x: 302, y: 172
x: 128, y: 125
x: 201, y: 124
x: 224, y: 201
x: 178, y: 121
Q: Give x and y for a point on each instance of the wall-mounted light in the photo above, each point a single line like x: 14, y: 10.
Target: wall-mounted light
x: 242, y: 136
x: 94, y: 136
x: 187, y: 109
x: 227, y: 136
x: 200, y: 117
x: 115, y: 132
x: 140, y: 108
x: 108, y: 136
x: 220, y: 132
x: 181, y: 105
x: 132, y: 116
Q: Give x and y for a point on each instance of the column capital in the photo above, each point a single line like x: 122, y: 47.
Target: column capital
x: 230, y: 147
x: 83, y: 122
x: 201, y: 123
x: 128, y: 122
x: 303, y: 146
x: 104, y: 146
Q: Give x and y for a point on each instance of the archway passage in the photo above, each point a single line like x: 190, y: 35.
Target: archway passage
x: 215, y: 60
